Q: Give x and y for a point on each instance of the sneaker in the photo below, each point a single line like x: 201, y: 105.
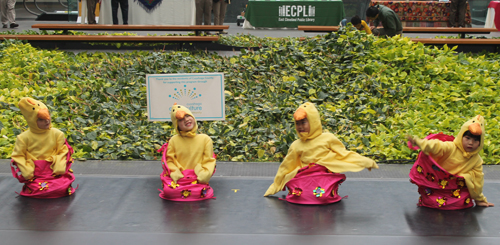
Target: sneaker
x: 13, y: 25
x: 5, y: 26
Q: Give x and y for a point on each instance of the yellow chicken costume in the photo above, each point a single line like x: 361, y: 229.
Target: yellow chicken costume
x: 316, y: 147
x: 452, y: 157
x: 39, y: 144
x: 189, y: 150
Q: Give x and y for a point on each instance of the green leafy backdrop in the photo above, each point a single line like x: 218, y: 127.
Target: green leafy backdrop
x: 370, y: 92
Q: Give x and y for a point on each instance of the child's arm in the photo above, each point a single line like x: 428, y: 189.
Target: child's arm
x: 172, y: 163
x: 58, y: 165
x: 342, y: 160
x: 205, y: 169
x: 287, y: 170
x: 435, y: 147
x: 474, y: 180
x: 19, y: 154
x: 366, y: 27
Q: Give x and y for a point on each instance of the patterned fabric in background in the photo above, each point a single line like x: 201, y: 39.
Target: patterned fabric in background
x: 423, y: 13
x: 149, y: 5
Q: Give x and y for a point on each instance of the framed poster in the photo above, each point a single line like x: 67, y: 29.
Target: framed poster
x: 201, y: 93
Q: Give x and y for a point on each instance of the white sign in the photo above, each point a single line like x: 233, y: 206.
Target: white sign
x: 201, y: 93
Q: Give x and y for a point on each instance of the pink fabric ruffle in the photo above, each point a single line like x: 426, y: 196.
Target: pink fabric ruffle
x: 437, y: 187
x: 314, y: 185
x: 44, y: 184
x: 187, y: 189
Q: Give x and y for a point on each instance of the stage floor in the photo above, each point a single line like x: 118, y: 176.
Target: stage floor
x: 125, y: 209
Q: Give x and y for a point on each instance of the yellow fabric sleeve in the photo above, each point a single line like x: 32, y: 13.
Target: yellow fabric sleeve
x: 436, y: 148
x: 343, y: 160
x: 59, y: 162
x: 287, y: 170
x: 366, y: 27
x: 205, y: 169
x: 25, y: 164
x: 172, y: 163
x: 474, y: 180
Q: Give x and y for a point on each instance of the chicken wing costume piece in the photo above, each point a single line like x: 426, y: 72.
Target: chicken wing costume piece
x: 41, y: 157
x: 188, y: 162
x: 455, y: 163
x: 319, y: 150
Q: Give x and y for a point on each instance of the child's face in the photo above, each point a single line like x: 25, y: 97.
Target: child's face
x: 358, y: 26
x: 470, y: 144
x: 43, y: 123
x: 186, y: 124
x: 302, y: 126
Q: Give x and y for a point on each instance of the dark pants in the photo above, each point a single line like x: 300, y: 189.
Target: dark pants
x: 458, y: 6
x: 204, y: 12
x: 91, y: 5
x: 114, y: 10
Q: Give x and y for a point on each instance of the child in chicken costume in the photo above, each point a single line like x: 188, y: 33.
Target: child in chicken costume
x: 313, y: 165
x: 188, y: 160
x: 449, y: 171
x: 41, y: 159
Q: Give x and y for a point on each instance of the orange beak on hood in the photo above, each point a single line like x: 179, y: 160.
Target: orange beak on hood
x: 180, y: 114
x: 43, y: 114
x: 300, y: 114
x: 475, y: 129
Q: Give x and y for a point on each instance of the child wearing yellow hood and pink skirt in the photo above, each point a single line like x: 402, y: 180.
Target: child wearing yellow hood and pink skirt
x: 311, y: 170
x: 188, y: 160
x: 449, y: 171
x: 41, y: 159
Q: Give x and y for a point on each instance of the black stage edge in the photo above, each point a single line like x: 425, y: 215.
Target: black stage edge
x: 54, y: 16
x: 192, y: 46
x: 210, y: 46
x: 127, y: 210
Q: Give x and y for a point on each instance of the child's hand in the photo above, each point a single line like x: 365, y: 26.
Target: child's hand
x: 411, y: 140
x: 485, y: 204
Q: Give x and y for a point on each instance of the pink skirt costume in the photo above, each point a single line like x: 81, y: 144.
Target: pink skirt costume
x: 44, y: 184
x: 314, y: 185
x: 437, y: 187
x: 187, y: 189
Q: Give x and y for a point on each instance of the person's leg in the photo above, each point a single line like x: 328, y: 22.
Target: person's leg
x: 207, y: 12
x: 11, y: 13
x: 114, y: 11
x: 124, y: 7
x: 223, y: 8
x: 3, y: 9
x: 199, y: 11
x: 216, y: 9
x: 91, y: 5
x: 453, y: 13
x: 462, y: 6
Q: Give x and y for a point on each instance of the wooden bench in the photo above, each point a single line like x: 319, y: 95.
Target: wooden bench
x: 83, y: 27
x: 450, y: 41
x: 463, y: 44
x: 60, y: 41
x: 461, y: 31
x: 318, y: 28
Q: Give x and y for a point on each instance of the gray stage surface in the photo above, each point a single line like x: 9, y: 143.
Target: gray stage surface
x: 113, y: 206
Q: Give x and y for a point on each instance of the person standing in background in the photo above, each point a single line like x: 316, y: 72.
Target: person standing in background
x: 204, y: 12
x: 91, y: 7
x: 8, y: 13
x: 219, y: 8
x: 123, y: 4
x: 458, y: 8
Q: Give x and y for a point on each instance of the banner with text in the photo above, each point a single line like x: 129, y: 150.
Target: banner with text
x: 202, y: 93
x: 290, y: 14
